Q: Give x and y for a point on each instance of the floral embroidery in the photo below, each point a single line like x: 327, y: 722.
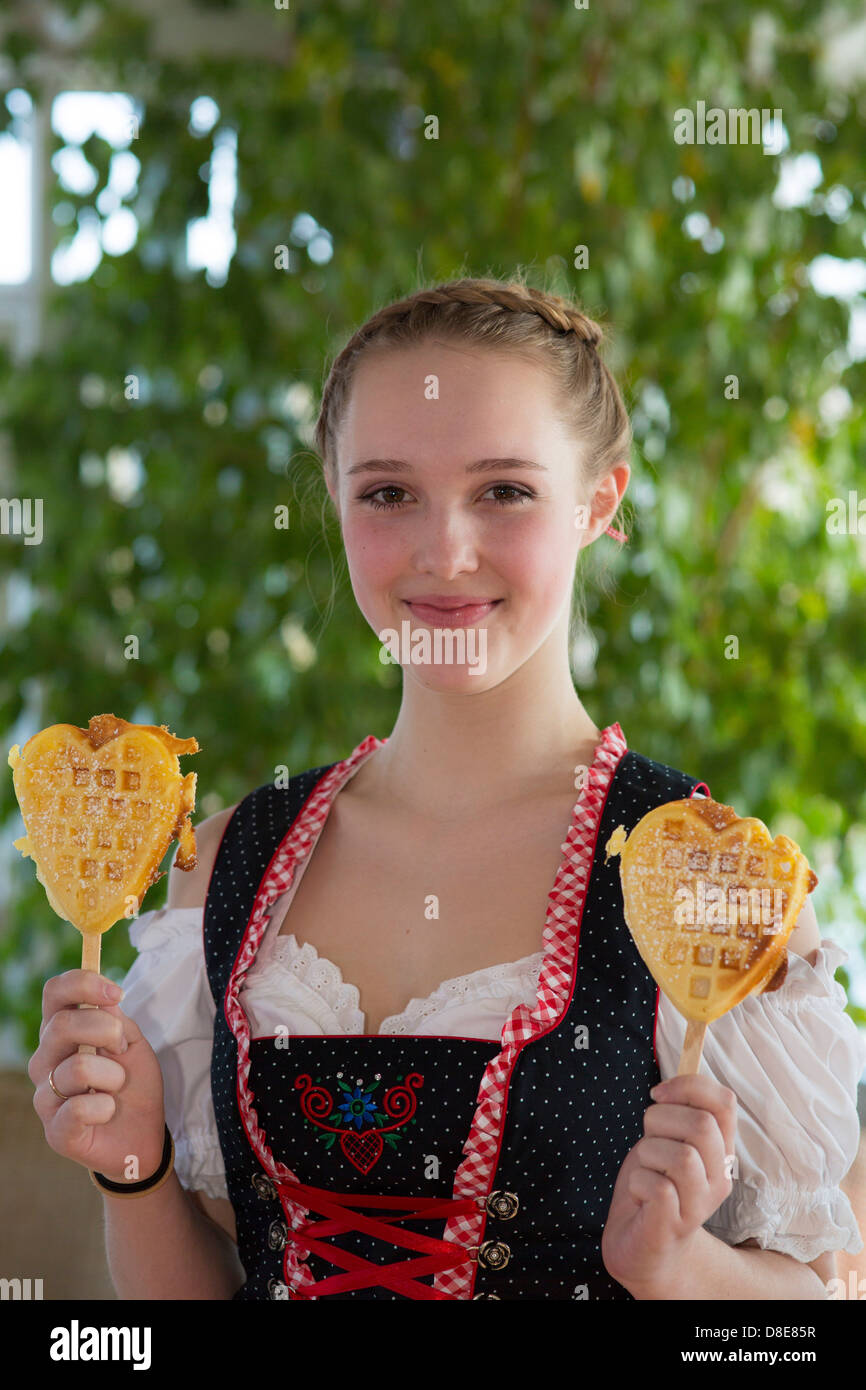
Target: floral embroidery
x: 346, y: 1121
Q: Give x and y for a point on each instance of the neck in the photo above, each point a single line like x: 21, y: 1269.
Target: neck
x: 452, y: 756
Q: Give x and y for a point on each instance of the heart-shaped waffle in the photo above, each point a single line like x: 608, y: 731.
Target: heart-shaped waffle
x: 101, y: 806
x: 710, y: 900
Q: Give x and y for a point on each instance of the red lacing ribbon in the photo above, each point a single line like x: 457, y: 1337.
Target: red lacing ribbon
x: 399, y: 1275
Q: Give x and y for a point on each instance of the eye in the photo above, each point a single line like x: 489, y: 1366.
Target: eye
x: 381, y: 506
x: 518, y: 495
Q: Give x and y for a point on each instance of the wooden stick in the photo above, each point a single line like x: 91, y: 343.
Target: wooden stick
x: 693, y: 1043
x: 91, y: 946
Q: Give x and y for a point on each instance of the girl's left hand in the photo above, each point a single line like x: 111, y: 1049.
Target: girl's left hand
x: 669, y: 1184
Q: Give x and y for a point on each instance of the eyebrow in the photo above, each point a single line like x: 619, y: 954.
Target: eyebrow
x: 479, y: 466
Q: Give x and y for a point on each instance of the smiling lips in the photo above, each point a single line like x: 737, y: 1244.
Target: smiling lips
x: 457, y: 610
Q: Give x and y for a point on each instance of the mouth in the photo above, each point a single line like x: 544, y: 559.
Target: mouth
x: 458, y: 615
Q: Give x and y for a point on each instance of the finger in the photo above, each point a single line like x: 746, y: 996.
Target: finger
x: 700, y: 1128
x: 71, y: 1131
x: 100, y: 1028
x: 684, y: 1167
x: 659, y: 1194
x: 75, y: 1076
x: 131, y: 1030
x: 74, y: 987
x: 705, y: 1093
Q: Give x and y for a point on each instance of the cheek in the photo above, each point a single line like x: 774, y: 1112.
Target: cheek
x: 537, y: 559
x: 375, y: 554
x: 369, y: 541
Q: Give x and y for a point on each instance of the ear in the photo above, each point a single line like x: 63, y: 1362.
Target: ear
x: 605, y: 500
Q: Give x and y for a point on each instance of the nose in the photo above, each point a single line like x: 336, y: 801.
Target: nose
x: 447, y: 543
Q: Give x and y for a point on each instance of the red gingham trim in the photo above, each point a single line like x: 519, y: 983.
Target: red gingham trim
x: 555, y: 986
x: 277, y: 879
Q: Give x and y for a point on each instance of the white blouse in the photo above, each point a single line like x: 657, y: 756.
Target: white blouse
x: 793, y: 1058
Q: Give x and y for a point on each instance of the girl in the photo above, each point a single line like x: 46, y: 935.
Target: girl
x: 394, y: 1022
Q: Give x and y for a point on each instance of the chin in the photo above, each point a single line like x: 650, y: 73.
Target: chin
x: 456, y: 659
x: 451, y: 680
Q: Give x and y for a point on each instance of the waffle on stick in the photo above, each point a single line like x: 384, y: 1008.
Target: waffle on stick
x: 101, y: 806
x: 710, y: 899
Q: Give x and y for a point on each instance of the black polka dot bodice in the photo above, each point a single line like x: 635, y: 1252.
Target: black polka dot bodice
x: 393, y: 1166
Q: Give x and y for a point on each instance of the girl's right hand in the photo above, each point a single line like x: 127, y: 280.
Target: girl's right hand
x: 125, y: 1117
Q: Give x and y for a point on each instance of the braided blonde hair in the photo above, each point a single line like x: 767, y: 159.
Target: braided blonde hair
x: 504, y: 316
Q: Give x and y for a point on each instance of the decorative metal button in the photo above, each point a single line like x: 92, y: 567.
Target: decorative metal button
x: 487, y: 1295
x: 503, y: 1204
x: 277, y: 1290
x: 277, y: 1235
x: 264, y: 1187
x: 494, y: 1254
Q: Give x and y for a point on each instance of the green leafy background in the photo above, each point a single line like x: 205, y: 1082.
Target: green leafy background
x: 555, y: 130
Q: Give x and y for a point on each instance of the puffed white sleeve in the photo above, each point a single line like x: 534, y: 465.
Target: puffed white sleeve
x: 793, y: 1058
x: 168, y: 996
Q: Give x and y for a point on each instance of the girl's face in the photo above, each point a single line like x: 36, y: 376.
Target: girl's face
x: 457, y: 482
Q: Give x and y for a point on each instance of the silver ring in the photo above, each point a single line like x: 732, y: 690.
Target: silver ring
x: 59, y: 1094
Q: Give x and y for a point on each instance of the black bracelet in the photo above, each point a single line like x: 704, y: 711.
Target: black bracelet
x: 131, y: 1189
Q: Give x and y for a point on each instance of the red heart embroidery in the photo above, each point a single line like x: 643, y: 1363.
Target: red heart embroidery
x: 362, y: 1150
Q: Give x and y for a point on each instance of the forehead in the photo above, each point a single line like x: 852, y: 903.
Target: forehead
x: 449, y: 396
